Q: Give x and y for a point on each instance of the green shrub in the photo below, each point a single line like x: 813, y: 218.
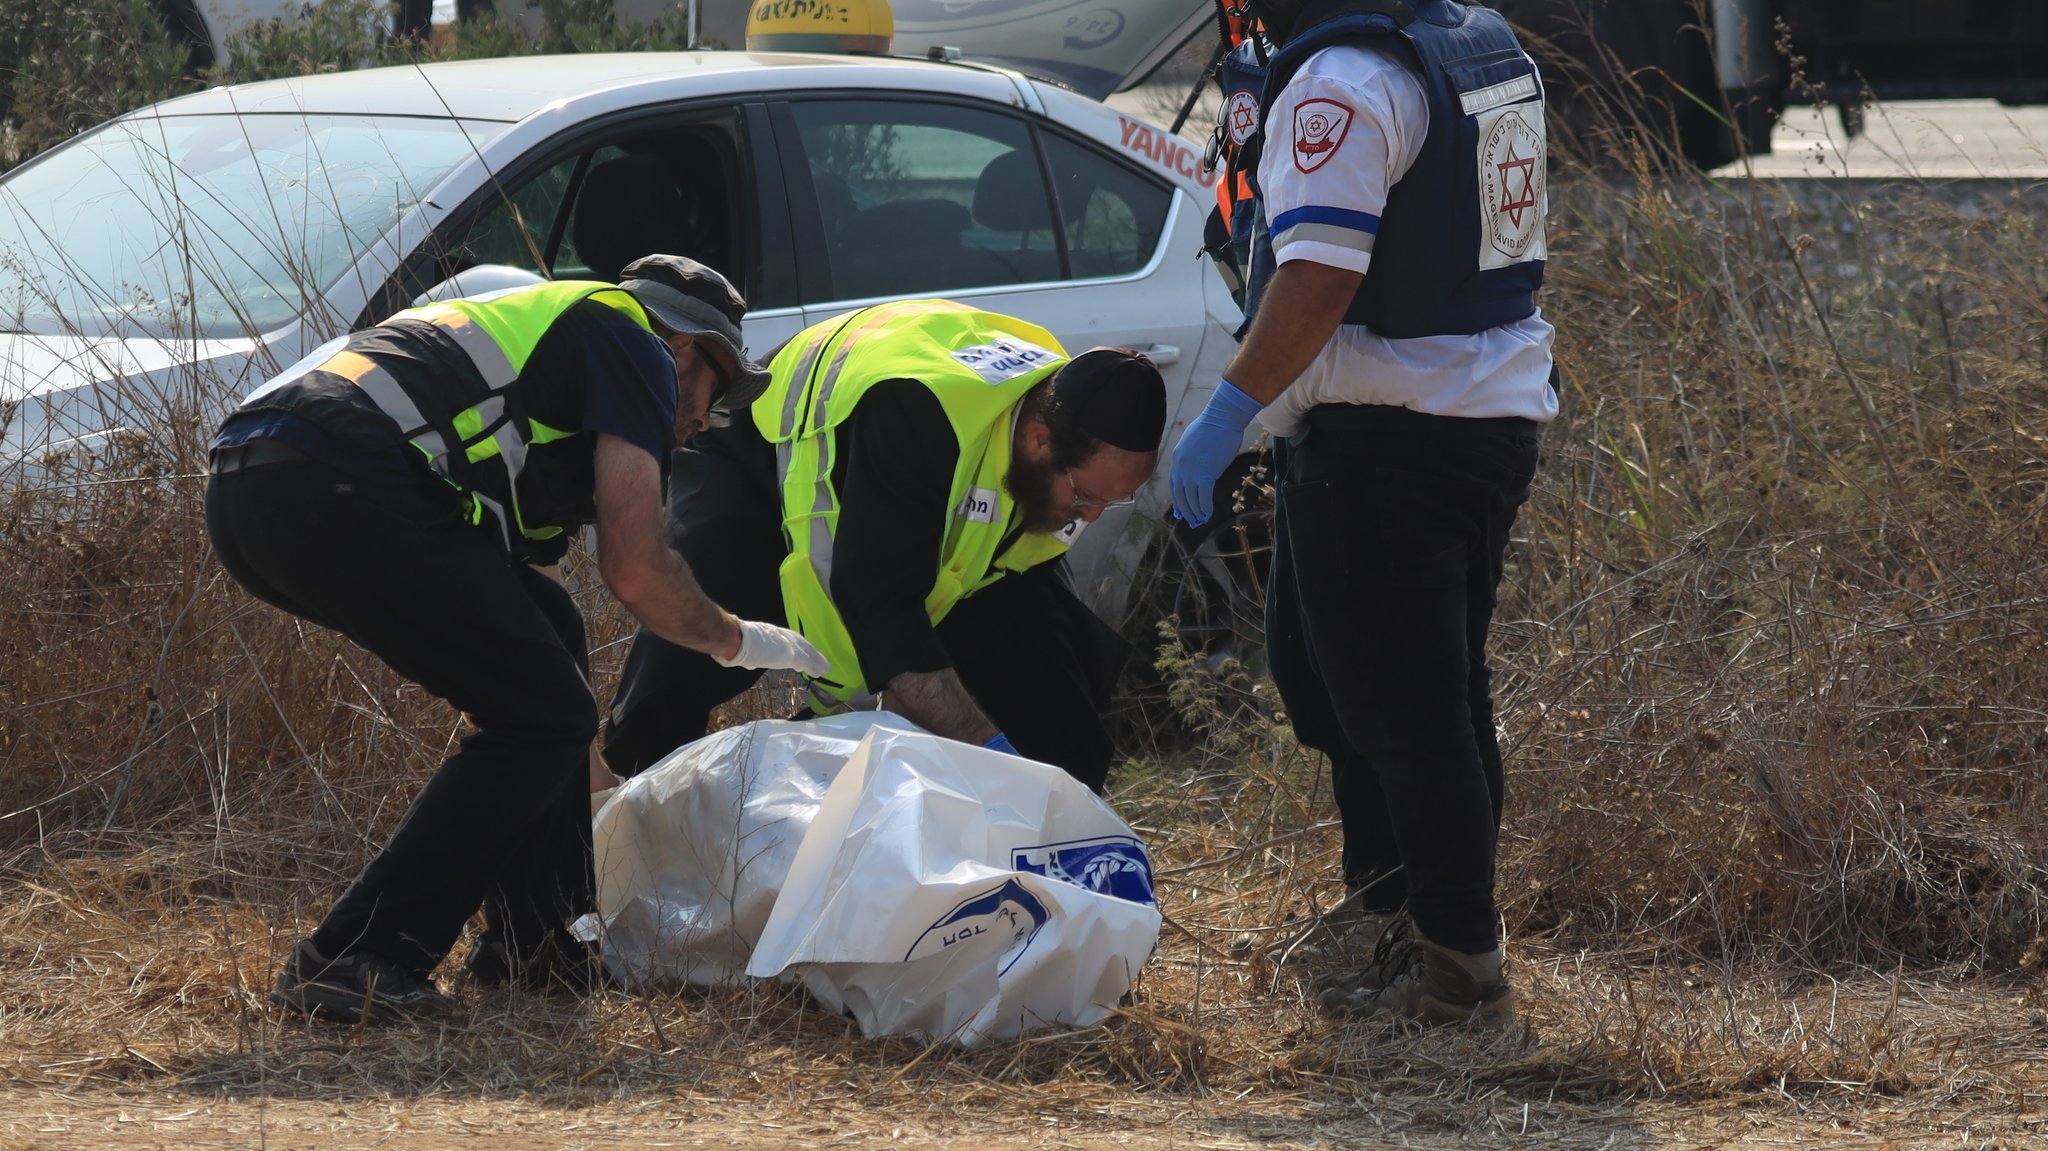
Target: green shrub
x: 336, y: 36
x: 69, y: 66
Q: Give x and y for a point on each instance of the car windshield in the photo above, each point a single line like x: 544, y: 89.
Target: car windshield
x: 208, y: 226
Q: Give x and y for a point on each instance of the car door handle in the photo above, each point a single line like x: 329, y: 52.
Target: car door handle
x: 1161, y: 354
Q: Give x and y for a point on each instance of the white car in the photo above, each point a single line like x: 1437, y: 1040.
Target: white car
x: 164, y: 264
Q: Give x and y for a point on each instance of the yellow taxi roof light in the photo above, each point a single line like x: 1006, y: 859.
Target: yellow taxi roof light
x: 820, y: 26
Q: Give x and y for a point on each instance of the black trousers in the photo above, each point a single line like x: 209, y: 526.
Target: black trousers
x: 1390, y: 532
x: 505, y: 821
x: 1030, y: 652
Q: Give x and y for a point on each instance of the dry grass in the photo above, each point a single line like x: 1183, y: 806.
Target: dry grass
x: 1774, y: 862
x: 129, y: 980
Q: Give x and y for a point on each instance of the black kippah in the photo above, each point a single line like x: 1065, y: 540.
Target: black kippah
x: 1116, y: 396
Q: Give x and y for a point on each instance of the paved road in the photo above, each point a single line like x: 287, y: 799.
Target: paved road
x: 1933, y: 139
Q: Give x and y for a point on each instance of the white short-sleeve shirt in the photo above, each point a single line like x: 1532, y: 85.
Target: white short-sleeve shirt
x: 1349, y: 125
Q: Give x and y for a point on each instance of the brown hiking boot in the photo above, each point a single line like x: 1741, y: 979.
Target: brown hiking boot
x: 1394, y: 952
x: 1447, y: 987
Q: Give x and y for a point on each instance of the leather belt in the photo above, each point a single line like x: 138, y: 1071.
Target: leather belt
x: 251, y: 454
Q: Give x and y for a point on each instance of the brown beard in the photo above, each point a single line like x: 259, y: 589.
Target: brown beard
x: 1030, y: 484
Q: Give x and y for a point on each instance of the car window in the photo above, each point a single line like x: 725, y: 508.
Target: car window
x: 923, y: 198
x: 215, y: 225
x: 1113, y: 215
x: 516, y: 230
x: 589, y: 214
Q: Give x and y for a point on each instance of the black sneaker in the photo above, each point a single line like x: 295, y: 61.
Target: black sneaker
x: 560, y: 963
x: 487, y: 964
x: 352, y: 988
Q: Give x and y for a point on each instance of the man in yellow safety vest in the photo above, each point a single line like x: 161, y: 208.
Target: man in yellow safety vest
x: 412, y: 487
x: 901, y: 495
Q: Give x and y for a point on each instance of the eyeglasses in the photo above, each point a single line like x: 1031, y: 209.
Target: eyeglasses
x: 1085, y: 502
x: 718, y: 371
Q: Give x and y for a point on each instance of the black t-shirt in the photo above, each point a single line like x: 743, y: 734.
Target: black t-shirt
x: 594, y: 371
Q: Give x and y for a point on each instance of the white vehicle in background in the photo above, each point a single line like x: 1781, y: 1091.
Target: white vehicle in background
x: 204, y: 26
x: 156, y: 268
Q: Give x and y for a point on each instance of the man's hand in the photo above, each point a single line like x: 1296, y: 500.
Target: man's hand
x: 601, y: 777
x: 1303, y: 304
x: 1206, y: 448
x: 939, y: 703
x: 764, y: 645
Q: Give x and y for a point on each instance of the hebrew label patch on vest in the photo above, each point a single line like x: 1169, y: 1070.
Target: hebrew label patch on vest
x: 980, y: 506
x: 1005, y: 358
x: 1513, y: 199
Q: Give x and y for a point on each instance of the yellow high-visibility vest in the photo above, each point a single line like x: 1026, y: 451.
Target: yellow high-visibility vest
x: 979, y: 365
x: 477, y: 439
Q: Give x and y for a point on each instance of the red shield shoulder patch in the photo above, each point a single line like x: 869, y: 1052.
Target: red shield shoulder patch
x: 1319, y: 128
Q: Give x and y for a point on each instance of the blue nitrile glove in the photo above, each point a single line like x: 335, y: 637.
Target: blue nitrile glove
x: 1002, y: 743
x: 1206, y: 448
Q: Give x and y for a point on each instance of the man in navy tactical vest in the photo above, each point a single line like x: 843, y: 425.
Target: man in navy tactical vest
x: 413, y: 487
x: 1396, y: 353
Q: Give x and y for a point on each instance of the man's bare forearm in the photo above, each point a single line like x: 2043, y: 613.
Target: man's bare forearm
x: 938, y: 702
x: 1303, y: 304
x: 637, y: 564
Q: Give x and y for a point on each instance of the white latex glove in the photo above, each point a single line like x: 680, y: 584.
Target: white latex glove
x: 763, y: 645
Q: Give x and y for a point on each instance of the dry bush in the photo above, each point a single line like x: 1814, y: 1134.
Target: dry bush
x: 1770, y: 643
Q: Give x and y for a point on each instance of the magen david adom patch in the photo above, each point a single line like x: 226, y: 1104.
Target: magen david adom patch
x: 1319, y: 129
x: 1513, y: 197
x: 1241, y: 116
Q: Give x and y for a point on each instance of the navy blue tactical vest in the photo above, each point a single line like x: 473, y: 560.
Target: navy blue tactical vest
x: 1461, y: 242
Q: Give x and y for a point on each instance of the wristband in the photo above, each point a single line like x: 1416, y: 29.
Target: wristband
x: 1002, y: 743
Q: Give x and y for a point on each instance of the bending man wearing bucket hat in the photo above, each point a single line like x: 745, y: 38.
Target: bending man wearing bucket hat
x: 412, y: 487
x: 902, y: 494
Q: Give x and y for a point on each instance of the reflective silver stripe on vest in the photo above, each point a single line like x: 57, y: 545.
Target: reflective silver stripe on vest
x: 821, y: 502
x: 511, y: 442
x: 795, y: 398
x: 497, y: 511
x: 821, y: 531
x: 391, y: 399
x: 821, y: 563
x: 477, y: 344
x: 491, y: 363
x: 831, y: 381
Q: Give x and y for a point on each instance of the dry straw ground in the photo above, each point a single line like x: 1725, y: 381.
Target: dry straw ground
x: 1768, y: 659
